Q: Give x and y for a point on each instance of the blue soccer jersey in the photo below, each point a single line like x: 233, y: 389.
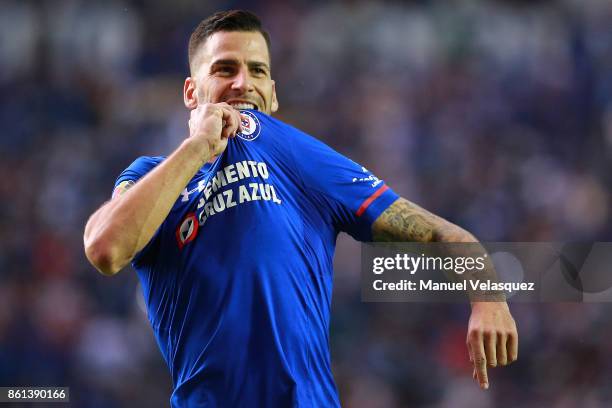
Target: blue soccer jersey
x: 238, y: 279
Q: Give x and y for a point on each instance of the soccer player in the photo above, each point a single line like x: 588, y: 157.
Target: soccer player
x: 232, y: 236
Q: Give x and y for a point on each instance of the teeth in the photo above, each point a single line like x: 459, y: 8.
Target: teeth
x: 242, y: 105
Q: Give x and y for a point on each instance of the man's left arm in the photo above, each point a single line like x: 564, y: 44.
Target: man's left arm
x: 492, y: 337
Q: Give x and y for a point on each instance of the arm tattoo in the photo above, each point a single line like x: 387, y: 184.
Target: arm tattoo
x: 403, y: 221
x: 406, y: 221
x: 123, y: 187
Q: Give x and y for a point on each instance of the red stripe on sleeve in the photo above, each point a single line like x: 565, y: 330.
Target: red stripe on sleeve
x: 370, y: 199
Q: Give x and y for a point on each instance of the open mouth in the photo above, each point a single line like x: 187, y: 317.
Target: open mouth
x: 243, y: 105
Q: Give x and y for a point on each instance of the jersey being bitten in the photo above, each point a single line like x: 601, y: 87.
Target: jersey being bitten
x: 238, y: 279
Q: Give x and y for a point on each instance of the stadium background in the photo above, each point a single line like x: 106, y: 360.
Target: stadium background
x: 494, y: 114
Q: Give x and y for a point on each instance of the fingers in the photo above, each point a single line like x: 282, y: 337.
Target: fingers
x: 505, y: 350
x: 513, y: 346
x: 476, y: 344
x: 231, y: 120
x: 474, y: 376
x: 490, y: 343
x: 192, y: 119
x: 502, y: 355
x: 199, y: 114
x: 470, y: 352
x: 492, y: 338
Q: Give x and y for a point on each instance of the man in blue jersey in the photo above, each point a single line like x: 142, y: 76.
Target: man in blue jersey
x: 232, y: 236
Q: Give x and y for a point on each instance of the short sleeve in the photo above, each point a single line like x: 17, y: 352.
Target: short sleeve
x: 139, y: 167
x: 355, y: 196
x: 134, y: 172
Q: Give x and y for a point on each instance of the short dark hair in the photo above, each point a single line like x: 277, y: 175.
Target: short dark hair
x: 231, y: 20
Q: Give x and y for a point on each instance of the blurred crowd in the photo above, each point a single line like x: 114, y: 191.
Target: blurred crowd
x: 496, y: 115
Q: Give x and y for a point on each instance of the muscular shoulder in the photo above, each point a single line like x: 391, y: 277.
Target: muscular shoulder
x: 145, y: 163
x: 134, y: 172
x: 140, y: 167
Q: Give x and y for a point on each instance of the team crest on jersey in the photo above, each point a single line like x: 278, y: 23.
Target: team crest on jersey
x: 250, y: 126
x: 187, y: 231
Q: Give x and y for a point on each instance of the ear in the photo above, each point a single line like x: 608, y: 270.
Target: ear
x: 190, y: 97
x: 274, y: 106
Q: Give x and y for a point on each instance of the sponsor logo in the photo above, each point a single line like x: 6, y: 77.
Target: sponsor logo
x: 250, y: 126
x: 187, y: 231
x: 370, y: 178
x: 223, y: 190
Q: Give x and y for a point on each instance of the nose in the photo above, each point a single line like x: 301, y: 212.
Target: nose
x: 242, y: 80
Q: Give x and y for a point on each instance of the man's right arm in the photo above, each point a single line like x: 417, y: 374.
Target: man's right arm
x: 122, y: 227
